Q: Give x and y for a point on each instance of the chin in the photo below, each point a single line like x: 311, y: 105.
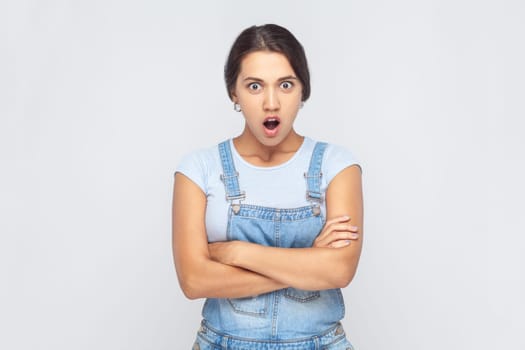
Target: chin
x: 270, y: 141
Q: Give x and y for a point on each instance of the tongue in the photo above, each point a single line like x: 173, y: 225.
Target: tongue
x: 270, y: 125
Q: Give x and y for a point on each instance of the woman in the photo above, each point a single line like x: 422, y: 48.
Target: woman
x: 268, y: 225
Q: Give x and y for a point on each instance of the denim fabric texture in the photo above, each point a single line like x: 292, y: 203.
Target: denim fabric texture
x: 284, y: 319
x: 331, y: 339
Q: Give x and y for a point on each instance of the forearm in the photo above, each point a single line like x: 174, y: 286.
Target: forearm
x: 303, y: 268
x: 211, y: 279
x: 199, y: 276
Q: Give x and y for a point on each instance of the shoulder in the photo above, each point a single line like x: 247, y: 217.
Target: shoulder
x: 201, y: 157
x: 337, y: 153
x: 337, y: 158
x: 198, y: 165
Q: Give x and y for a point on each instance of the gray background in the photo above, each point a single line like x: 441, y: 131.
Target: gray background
x: 100, y: 99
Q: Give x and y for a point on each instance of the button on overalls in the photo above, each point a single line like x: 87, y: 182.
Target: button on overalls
x: 289, y: 318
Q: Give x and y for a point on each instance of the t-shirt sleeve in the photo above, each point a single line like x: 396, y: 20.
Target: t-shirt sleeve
x: 336, y: 159
x: 194, y: 167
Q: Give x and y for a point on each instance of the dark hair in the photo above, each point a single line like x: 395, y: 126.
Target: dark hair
x: 268, y: 37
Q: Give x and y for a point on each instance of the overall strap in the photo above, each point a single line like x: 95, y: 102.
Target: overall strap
x: 314, y: 175
x: 229, y: 176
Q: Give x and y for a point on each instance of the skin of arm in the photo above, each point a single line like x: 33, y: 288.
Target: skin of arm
x: 199, y: 276
x: 315, y: 268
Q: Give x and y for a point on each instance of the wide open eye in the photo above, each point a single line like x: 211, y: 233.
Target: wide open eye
x: 254, y: 87
x: 286, y: 85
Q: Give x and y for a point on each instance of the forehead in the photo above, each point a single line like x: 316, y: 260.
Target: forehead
x: 266, y: 65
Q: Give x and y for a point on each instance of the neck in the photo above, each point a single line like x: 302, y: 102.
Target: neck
x: 259, y: 154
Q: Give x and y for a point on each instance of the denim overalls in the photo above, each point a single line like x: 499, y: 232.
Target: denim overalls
x: 284, y: 319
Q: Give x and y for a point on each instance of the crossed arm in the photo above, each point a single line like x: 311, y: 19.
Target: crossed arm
x: 239, y: 269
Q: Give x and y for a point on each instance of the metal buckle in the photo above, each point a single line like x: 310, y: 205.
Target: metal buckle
x: 314, y: 199
x: 314, y: 175
x: 239, y: 197
x: 222, y: 176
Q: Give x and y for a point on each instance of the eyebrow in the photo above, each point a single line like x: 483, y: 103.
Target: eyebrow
x: 288, y: 77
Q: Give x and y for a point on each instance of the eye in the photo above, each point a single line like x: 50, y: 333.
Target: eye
x: 286, y: 85
x: 254, y: 86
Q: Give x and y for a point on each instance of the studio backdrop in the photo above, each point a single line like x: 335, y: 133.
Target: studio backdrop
x: 99, y: 100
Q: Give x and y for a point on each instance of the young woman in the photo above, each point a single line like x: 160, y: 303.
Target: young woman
x: 268, y: 225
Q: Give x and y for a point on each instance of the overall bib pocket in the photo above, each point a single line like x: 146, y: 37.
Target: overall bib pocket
x: 301, y: 296
x: 253, y: 306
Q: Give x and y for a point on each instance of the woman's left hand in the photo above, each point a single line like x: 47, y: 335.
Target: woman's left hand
x: 337, y: 233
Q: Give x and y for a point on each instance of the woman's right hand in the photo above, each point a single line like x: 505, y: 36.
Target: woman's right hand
x: 337, y: 233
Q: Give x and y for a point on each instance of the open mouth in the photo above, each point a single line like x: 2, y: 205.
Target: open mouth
x: 271, y: 123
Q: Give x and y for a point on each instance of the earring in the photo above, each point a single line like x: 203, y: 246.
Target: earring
x: 236, y: 107
x: 301, y: 105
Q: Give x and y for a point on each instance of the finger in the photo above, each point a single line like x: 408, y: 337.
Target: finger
x: 329, y: 228
x: 338, y: 227
x: 344, y: 227
x: 340, y: 244
x: 336, y: 236
x: 342, y: 218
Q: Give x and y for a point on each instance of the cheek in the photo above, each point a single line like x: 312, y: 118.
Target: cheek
x: 250, y: 101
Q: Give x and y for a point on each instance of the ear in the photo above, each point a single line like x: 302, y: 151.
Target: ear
x: 233, y: 97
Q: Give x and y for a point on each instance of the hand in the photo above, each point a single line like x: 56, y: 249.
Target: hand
x: 336, y: 233
x: 223, y: 252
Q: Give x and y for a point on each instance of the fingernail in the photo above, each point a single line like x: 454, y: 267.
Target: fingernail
x: 348, y: 242
x: 353, y: 227
x: 354, y: 235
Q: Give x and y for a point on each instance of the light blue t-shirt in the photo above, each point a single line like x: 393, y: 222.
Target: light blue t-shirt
x: 281, y: 186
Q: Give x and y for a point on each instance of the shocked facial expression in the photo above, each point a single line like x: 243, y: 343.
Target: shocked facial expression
x: 269, y: 94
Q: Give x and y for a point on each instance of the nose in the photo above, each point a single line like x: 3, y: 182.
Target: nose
x: 271, y: 100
